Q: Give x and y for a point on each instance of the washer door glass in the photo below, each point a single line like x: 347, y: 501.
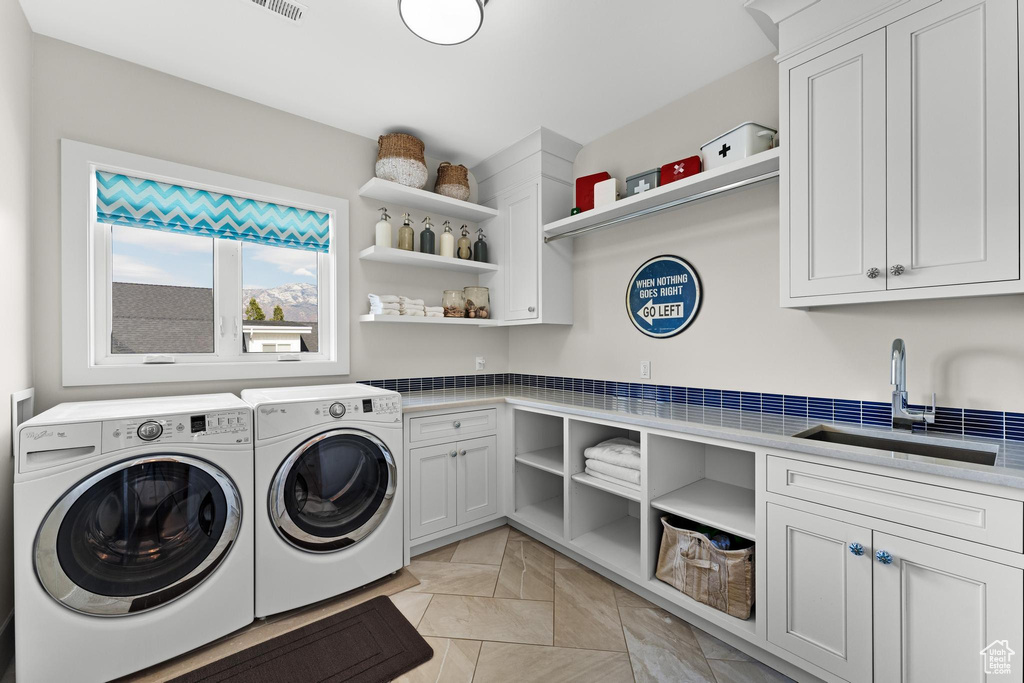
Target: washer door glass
x: 333, y: 490
x: 138, y: 535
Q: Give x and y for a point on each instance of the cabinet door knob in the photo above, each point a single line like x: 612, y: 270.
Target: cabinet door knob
x: 883, y: 556
x: 856, y: 549
x: 873, y: 273
x: 456, y: 424
x: 532, y: 309
x: 897, y: 270
x: 462, y: 452
x: 453, y: 453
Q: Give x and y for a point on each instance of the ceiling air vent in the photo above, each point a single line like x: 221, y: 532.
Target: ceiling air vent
x: 286, y: 9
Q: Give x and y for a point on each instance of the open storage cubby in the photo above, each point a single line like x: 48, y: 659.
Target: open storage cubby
x: 700, y: 482
x: 605, y: 517
x: 583, y: 435
x: 539, y: 470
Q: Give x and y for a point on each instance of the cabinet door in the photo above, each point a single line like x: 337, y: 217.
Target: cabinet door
x: 432, y: 499
x: 819, y: 592
x: 521, y: 219
x: 953, y: 189
x: 936, y: 610
x: 477, y: 479
x: 837, y: 170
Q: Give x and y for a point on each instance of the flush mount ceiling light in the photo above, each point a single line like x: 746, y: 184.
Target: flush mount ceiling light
x: 443, y: 22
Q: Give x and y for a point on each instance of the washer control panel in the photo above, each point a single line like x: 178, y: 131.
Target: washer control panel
x: 222, y: 427
x: 282, y: 418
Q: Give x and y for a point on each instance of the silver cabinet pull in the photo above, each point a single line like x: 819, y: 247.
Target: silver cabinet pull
x: 897, y: 270
x: 532, y: 309
x: 456, y: 424
x: 453, y: 454
x: 873, y: 273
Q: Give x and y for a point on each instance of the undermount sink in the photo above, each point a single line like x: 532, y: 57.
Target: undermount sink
x: 979, y: 454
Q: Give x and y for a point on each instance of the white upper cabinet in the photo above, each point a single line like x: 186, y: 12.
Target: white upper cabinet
x: 953, y: 154
x: 901, y: 169
x: 520, y: 218
x: 837, y: 171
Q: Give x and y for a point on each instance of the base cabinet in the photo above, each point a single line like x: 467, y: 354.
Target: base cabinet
x: 452, y: 484
x: 871, y: 606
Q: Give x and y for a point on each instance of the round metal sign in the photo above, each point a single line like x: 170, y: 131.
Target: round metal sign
x: 663, y: 296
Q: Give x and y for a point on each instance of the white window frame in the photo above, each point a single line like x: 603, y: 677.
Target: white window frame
x: 86, y: 281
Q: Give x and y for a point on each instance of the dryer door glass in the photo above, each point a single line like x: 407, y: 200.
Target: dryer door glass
x: 138, y: 535
x: 333, y: 490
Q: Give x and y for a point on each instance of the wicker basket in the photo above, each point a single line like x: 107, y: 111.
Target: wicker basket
x: 723, y: 579
x: 452, y: 181
x: 400, y: 160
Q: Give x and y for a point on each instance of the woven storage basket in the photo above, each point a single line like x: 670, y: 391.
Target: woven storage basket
x: 400, y: 160
x: 723, y: 579
x: 452, y: 181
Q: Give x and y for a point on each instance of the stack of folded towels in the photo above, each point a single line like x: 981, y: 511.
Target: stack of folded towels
x: 615, y: 460
x: 412, y: 307
x: 434, y: 311
x: 384, y: 304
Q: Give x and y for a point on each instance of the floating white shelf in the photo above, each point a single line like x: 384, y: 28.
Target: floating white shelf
x: 549, y: 459
x: 417, y: 259
x: 431, y: 202
x: 546, y: 515
x: 723, y: 506
x: 621, y: 491
x: 616, y: 544
x: 416, y: 320
x: 753, y: 169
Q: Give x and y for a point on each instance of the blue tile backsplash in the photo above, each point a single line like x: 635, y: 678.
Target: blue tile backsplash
x: 988, y: 423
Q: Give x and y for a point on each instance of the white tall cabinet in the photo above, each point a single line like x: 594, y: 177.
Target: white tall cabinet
x: 530, y: 183
x: 901, y: 162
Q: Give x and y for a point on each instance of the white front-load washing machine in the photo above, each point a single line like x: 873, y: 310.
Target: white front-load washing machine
x: 133, y: 536
x: 327, y: 488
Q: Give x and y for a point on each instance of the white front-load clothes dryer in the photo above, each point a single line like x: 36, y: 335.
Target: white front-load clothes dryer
x: 327, y: 490
x: 133, y: 536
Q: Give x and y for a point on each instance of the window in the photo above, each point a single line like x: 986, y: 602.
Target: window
x: 175, y: 273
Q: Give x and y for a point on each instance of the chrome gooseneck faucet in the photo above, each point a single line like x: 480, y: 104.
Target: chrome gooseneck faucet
x: 902, y: 416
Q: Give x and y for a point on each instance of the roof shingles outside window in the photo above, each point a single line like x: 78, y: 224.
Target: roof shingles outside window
x: 165, y: 319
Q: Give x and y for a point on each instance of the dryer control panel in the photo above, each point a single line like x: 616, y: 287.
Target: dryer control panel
x: 282, y: 418
x: 222, y: 427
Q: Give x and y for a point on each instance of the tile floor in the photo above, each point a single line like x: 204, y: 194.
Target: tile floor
x: 500, y: 607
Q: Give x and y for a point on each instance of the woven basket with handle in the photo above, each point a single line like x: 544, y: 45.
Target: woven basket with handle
x: 452, y: 181
x: 400, y: 160
x: 723, y: 579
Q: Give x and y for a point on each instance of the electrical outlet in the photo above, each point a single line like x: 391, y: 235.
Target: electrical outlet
x: 481, y: 362
x: 645, y: 369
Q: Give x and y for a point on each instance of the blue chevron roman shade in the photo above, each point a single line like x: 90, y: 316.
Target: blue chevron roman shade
x: 140, y: 203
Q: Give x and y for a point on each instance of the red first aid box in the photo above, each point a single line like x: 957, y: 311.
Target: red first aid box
x: 677, y: 170
x: 585, y: 189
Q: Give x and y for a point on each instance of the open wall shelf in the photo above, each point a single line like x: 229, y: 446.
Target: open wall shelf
x: 715, y: 503
x: 417, y: 259
x: 411, y: 198
x: 418, y: 320
x: 753, y: 169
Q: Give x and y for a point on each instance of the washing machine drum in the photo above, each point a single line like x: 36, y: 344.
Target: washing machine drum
x: 333, y: 490
x: 137, y: 535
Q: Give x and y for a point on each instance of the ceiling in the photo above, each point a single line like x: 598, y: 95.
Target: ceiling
x: 579, y: 67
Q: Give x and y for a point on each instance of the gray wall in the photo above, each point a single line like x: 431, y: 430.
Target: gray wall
x: 87, y: 96
x: 969, y: 351
x: 15, y: 165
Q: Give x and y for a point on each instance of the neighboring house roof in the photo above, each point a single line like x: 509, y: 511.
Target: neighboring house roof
x: 165, y: 319
x: 161, y: 319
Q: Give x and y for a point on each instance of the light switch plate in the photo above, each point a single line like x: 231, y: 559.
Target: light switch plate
x: 645, y: 369
x: 481, y: 362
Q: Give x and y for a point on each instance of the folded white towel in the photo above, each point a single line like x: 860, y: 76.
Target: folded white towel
x: 414, y: 314
x: 434, y: 309
x: 410, y: 307
x: 431, y: 314
x: 613, y: 480
x: 386, y: 311
x: 393, y: 307
x: 620, y: 473
x: 414, y: 302
x: 383, y: 298
x: 618, y: 451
